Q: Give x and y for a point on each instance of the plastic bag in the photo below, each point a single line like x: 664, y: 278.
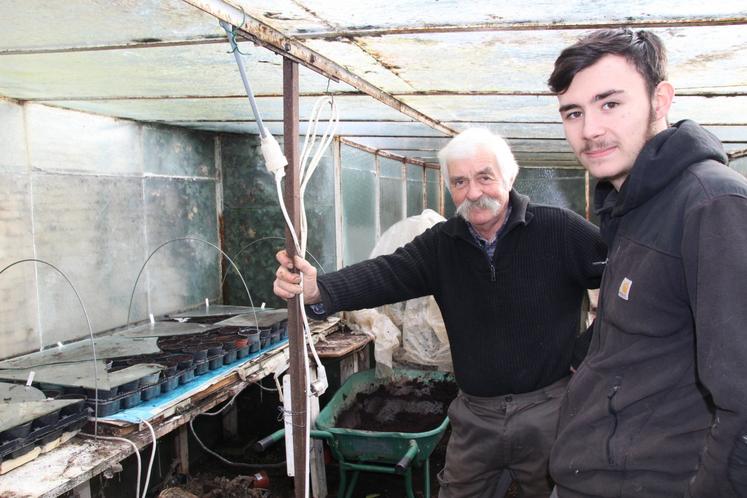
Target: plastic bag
x: 410, y: 333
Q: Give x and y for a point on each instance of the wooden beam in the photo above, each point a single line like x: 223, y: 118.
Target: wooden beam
x: 181, y: 447
x: 277, y: 42
x: 297, y: 370
x: 388, y: 155
x: 519, y: 26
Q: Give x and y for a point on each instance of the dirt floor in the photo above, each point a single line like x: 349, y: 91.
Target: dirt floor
x: 406, y: 406
x: 216, y: 481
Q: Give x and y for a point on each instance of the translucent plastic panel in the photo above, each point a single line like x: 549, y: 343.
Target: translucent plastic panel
x: 390, y: 168
x: 13, y: 138
x: 183, y: 273
x: 253, y: 227
x: 173, y: 110
x: 358, y: 204
x: 699, y: 57
x: 320, y: 212
x: 91, y: 22
x: 415, y: 181
x: 432, y: 189
x: 390, y: 199
x: 178, y: 152
x: 91, y: 227
x: 205, y: 70
x: 740, y: 165
x: 61, y: 140
x: 545, y: 108
x: 18, y: 324
x: 449, y: 207
x: 556, y: 187
x: 368, y: 13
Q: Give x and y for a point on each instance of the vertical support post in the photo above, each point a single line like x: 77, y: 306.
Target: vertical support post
x: 181, y: 443
x: 295, y: 325
x: 230, y: 422
x: 82, y: 490
x: 337, y: 154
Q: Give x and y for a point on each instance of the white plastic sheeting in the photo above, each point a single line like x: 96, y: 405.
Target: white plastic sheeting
x: 410, y: 332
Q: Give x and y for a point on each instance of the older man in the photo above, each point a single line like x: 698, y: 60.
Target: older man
x: 509, y: 277
x: 659, y: 407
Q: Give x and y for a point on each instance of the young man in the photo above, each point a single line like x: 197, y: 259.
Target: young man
x: 659, y: 406
x: 509, y: 277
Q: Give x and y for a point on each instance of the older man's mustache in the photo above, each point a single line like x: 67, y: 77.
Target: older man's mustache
x: 484, y: 202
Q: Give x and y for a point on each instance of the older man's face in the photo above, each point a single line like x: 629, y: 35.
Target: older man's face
x: 473, y: 183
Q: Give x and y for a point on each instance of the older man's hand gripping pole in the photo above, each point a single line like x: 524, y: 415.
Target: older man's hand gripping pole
x: 288, y: 283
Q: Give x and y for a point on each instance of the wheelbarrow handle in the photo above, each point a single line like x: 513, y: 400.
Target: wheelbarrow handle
x: 406, y: 460
x: 268, y: 441
x: 276, y: 436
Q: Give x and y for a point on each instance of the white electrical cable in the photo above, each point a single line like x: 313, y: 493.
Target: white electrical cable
x: 136, y: 452
x: 275, y: 162
x: 306, y: 170
x: 152, y: 457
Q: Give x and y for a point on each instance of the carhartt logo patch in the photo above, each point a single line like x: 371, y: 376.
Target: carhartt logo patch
x: 624, y: 290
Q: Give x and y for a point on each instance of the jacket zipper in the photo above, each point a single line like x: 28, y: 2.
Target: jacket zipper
x: 492, y: 272
x: 612, y: 411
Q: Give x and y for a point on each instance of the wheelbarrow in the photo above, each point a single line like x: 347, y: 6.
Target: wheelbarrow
x: 367, y: 451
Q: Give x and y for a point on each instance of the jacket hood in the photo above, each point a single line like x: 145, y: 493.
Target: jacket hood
x: 662, y: 159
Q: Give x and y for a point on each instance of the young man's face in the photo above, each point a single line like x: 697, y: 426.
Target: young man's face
x: 608, y: 116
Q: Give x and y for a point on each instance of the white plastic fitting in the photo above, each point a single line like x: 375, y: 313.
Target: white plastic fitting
x: 274, y: 158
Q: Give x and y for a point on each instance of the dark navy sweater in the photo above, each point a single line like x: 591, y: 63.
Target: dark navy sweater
x: 512, y: 321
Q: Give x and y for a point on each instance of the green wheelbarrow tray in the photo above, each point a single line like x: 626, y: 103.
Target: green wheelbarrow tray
x: 369, y: 451
x: 377, y: 447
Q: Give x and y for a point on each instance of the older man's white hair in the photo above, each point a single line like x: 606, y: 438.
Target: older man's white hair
x: 468, y: 142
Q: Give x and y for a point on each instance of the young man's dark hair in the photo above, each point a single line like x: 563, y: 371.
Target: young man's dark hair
x: 643, y: 49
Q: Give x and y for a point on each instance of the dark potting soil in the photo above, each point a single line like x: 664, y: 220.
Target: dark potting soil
x: 407, y: 405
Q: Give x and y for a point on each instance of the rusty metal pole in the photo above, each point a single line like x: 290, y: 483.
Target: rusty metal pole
x: 295, y: 323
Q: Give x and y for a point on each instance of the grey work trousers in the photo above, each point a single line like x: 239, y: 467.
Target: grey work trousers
x: 512, y: 433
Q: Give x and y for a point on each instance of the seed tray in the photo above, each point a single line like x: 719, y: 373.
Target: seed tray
x: 129, y: 387
x: 103, y: 394
x: 149, y: 380
x: 230, y: 355
x: 214, y: 349
x: 169, y: 383
x: 201, y: 367
x: 18, y: 447
x: 198, y: 352
x: 107, y: 408
x: 18, y: 432
x: 48, y: 419
x: 215, y: 361
x: 187, y: 375
x: 131, y: 399
x: 149, y: 392
x: 242, y: 352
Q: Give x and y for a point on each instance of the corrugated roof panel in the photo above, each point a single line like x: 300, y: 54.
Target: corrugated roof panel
x: 545, y: 108
x: 37, y: 24
x: 363, y: 64
x: 700, y: 58
x: 207, y: 70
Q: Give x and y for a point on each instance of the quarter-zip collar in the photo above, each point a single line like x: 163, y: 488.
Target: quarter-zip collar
x: 457, y: 227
